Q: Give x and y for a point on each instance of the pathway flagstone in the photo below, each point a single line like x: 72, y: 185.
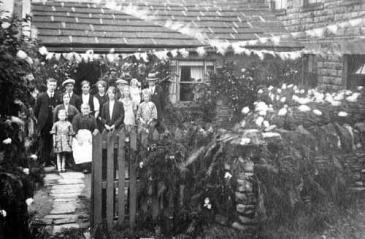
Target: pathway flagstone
x: 68, y: 210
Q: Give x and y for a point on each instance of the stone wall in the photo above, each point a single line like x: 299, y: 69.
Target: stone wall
x: 330, y: 68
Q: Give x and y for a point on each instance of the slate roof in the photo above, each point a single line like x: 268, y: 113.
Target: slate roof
x: 79, y: 26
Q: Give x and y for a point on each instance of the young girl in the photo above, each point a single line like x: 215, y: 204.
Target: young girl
x: 62, y: 139
x: 147, y: 113
x: 129, y: 113
x: 135, y: 92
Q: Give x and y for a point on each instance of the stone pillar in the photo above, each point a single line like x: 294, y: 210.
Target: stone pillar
x: 246, y: 197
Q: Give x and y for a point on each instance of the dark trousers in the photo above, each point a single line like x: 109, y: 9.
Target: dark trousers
x: 46, y: 144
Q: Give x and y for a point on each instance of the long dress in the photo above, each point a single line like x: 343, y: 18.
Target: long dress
x: 129, y: 117
x: 63, y: 134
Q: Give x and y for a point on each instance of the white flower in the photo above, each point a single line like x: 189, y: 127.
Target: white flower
x: 141, y: 164
x: 282, y: 111
x: 26, y: 171
x: 342, y: 114
x: 339, y: 96
x: 353, y: 97
x: 317, y: 112
x: 245, y: 141
x: 304, y: 108
x: 266, y: 123
x: 261, y: 106
x: 360, y: 87
x: 227, y: 175
x: 295, y: 87
x: 34, y: 157
x: 7, y: 141
x: 29, y: 201
x: 283, y: 86
x: 206, y: 200
x: 277, y: 97
x: 283, y: 99
x: 302, y: 91
x: 279, y: 91
x: 21, y: 54
x: 260, y: 91
x: 336, y: 103
x: 5, y: 25
x: 243, y: 123
x: 245, y: 110
x: 209, y: 206
x: 290, y: 85
x: 348, y: 92
x: 259, y: 121
x: 29, y: 60
x: 3, y: 213
x: 262, y: 112
x: 43, y: 51
x: 270, y: 88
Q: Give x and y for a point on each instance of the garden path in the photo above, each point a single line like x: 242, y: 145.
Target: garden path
x: 70, y: 196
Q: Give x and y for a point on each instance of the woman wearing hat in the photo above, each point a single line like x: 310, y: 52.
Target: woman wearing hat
x: 121, y: 84
x: 69, y: 85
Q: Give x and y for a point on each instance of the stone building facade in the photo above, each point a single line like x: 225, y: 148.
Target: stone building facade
x: 330, y: 71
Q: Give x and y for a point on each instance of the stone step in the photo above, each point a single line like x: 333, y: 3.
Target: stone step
x: 59, y: 228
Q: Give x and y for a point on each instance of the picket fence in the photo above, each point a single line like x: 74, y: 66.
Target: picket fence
x: 114, y: 179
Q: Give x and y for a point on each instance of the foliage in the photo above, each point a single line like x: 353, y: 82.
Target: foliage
x: 236, y: 84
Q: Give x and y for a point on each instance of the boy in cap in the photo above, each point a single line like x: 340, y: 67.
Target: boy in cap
x: 69, y: 85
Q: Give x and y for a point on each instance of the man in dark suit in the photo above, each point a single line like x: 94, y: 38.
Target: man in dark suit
x: 43, y: 108
x: 75, y: 100
x: 112, y: 113
x: 156, y: 94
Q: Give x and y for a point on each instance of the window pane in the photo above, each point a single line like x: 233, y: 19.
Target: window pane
x: 197, y: 73
x: 187, y: 92
x: 280, y: 4
x: 185, y: 73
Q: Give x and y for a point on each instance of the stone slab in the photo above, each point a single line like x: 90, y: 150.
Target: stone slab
x: 65, y: 221
x: 59, y: 228
x: 61, y: 216
x: 63, y: 209
x: 72, y: 175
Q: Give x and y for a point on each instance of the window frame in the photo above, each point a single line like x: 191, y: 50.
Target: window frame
x: 203, y: 63
x: 310, y: 70
x: 311, y: 6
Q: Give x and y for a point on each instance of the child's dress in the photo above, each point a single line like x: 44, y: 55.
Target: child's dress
x: 63, y: 132
x: 129, y: 118
x: 135, y: 96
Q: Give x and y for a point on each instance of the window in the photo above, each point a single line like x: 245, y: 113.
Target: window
x: 355, y: 71
x: 279, y: 4
x: 191, y: 73
x: 310, y: 79
x: 312, y: 3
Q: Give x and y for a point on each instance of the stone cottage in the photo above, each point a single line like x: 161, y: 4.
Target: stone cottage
x: 135, y: 26
x: 333, y: 71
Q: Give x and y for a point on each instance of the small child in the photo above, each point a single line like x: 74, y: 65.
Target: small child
x: 62, y: 139
x: 129, y: 110
x: 135, y: 92
x: 146, y: 116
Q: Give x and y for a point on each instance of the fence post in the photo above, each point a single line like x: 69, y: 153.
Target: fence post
x: 96, y: 179
x: 133, y: 183
x: 110, y: 179
x: 121, y: 178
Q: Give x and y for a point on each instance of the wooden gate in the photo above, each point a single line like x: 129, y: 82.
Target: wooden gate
x: 114, y: 179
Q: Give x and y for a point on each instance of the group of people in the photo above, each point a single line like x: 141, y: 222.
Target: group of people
x: 64, y: 122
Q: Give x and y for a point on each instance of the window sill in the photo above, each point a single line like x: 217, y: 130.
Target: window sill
x: 313, y: 7
x: 349, y: 3
x: 279, y: 12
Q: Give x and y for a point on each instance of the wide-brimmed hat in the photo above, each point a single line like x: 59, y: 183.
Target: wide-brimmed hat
x: 152, y: 76
x: 121, y: 81
x: 68, y: 81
